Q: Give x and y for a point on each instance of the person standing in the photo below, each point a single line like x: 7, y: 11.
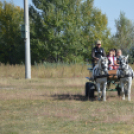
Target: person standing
x: 97, y: 52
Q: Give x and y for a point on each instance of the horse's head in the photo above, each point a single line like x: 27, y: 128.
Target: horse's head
x: 123, y: 62
x: 103, y: 63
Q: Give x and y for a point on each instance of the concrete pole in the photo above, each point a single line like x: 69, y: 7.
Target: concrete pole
x: 27, y: 42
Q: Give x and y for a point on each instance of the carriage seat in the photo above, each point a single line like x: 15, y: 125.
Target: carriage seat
x: 112, y: 74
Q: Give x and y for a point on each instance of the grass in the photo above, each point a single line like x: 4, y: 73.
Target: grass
x: 45, y: 71
x: 57, y: 105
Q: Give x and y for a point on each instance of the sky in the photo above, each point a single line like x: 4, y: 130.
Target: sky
x: 111, y: 8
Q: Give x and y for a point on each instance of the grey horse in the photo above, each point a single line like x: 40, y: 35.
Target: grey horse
x: 100, y: 73
x: 125, y: 74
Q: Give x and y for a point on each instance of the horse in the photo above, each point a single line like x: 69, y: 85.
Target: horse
x: 100, y: 74
x: 125, y: 74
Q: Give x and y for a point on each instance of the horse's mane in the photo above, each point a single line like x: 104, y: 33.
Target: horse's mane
x: 98, y: 65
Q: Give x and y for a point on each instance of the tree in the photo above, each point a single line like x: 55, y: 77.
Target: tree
x: 94, y: 25
x: 11, y: 44
x: 57, y: 30
x: 124, y: 36
x: 65, y: 30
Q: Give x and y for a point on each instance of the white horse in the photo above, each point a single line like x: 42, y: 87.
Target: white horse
x: 100, y: 74
x: 125, y: 74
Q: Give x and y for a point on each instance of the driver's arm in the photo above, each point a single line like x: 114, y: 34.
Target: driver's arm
x: 104, y: 53
x: 93, y: 55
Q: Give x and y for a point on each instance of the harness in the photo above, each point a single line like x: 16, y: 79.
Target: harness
x: 100, y: 76
x: 113, y: 75
x: 126, y: 75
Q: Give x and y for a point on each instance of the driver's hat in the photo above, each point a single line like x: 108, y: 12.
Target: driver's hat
x: 98, y: 42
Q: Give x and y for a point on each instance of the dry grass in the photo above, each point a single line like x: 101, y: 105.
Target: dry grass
x: 42, y: 71
x: 54, y: 105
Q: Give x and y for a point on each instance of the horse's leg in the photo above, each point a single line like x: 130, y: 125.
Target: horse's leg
x: 129, y: 89
x: 99, y: 92
x: 122, y: 90
x: 104, y: 91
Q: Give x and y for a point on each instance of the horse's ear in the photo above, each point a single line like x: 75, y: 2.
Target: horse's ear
x: 127, y: 56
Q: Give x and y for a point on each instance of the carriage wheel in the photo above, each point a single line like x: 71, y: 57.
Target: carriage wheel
x: 89, y: 89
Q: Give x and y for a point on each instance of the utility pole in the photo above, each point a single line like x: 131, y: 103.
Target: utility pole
x: 27, y: 42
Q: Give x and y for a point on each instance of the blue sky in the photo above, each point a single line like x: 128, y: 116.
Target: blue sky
x: 111, y: 8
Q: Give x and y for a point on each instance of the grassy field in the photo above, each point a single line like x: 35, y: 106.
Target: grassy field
x: 53, y: 102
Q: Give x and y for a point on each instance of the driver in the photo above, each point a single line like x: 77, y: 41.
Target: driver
x: 97, y: 52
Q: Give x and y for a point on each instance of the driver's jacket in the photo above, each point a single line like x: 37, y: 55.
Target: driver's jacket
x: 98, y: 52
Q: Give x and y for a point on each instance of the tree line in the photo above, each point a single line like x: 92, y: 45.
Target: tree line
x: 60, y: 31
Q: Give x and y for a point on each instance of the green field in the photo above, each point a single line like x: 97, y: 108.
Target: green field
x: 53, y: 105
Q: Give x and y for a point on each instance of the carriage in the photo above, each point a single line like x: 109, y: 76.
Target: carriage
x: 90, y: 87
x: 102, y: 78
